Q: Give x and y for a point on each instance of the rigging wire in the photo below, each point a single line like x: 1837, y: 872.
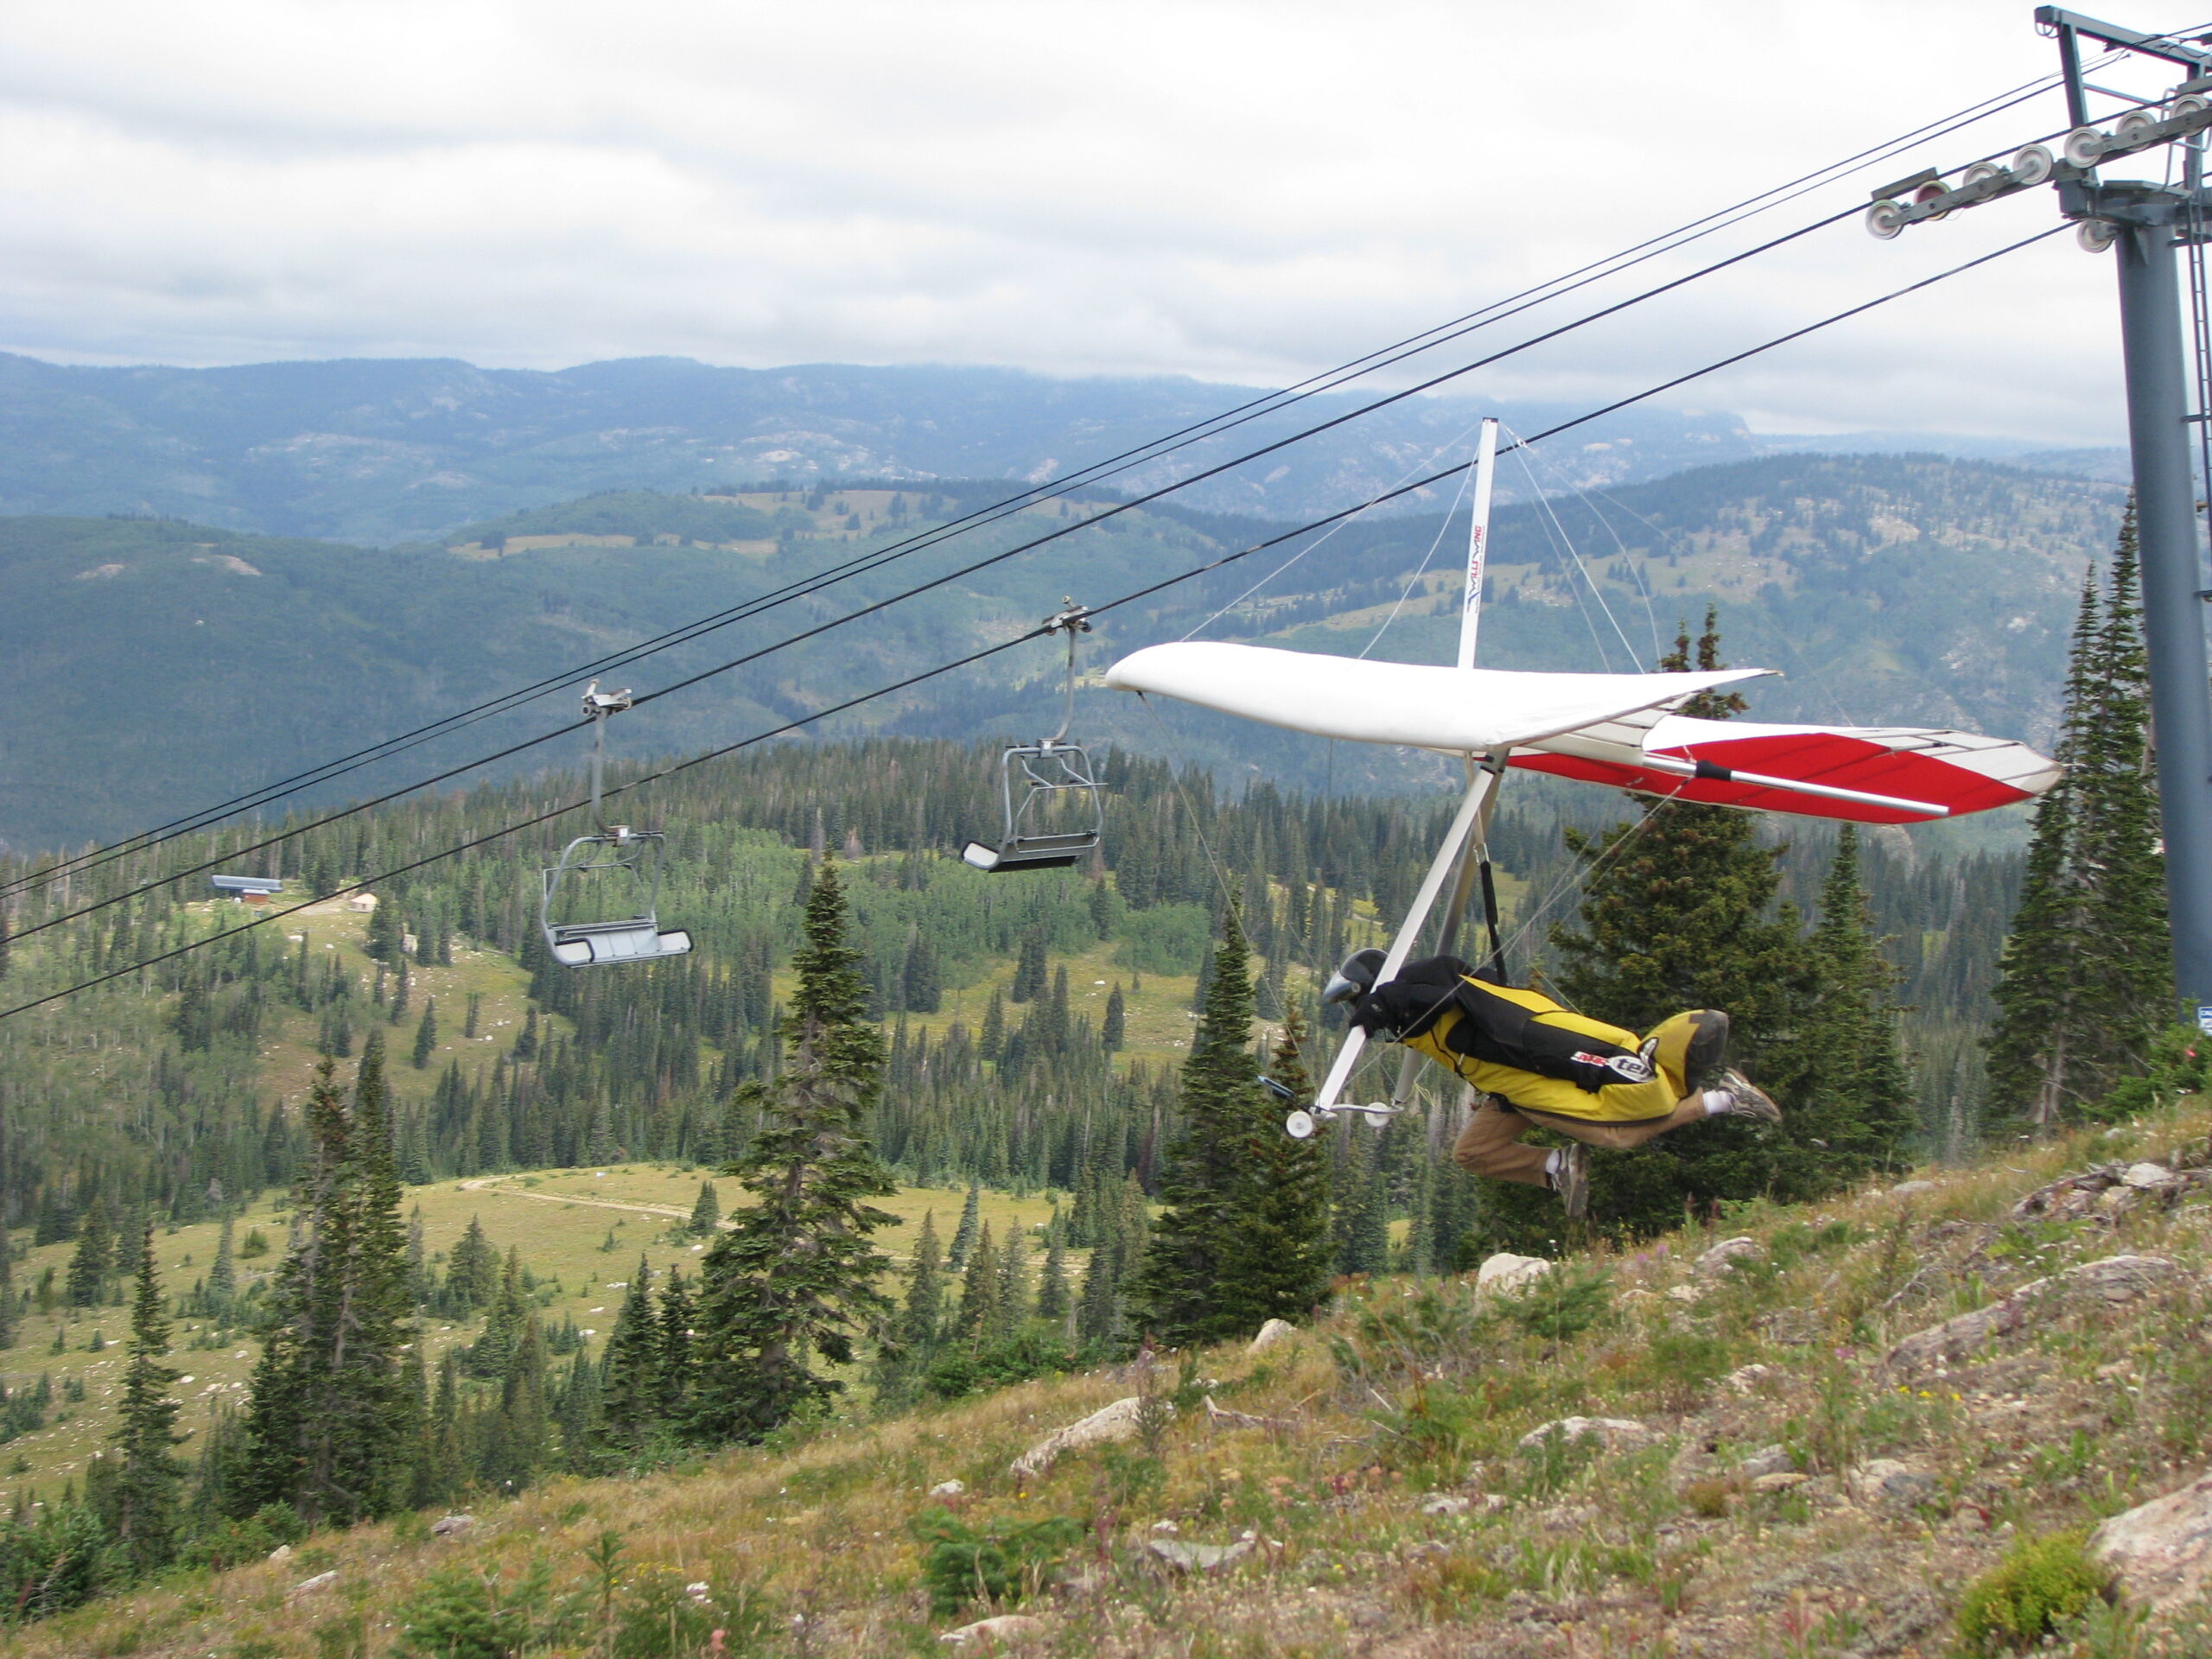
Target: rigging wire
x: 1272, y: 401
x: 1042, y: 630
x: 1551, y: 526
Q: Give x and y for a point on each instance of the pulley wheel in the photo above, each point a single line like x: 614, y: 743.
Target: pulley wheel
x: 1885, y: 219
x: 2033, y: 165
x: 1980, y: 172
x: 2096, y: 235
x: 2135, y: 127
x: 2083, y: 146
x: 2190, y: 106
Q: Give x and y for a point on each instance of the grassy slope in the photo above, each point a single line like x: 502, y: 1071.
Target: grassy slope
x: 2091, y: 1410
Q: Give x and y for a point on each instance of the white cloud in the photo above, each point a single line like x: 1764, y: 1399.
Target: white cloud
x: 1221, y: 187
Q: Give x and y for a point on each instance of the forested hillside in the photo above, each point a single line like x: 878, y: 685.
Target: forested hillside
x: 1035, y: 1024
x: 164, y: 665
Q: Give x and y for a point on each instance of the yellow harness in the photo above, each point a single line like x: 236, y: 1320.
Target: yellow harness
x: 1616, y: 1102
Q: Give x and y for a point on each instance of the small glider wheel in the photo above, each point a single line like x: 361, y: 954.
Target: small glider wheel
x: 1377, y: 1116
x: 2095, y: 235
x: 1885, y: 219
x: 1299, y: 1125
x: 2083, y: 146
x: 2033, y: 165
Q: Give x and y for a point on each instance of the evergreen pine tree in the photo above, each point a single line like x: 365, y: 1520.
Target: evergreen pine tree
x: 630, y: 1382
x: 426, y: 1035
x: 2085, y: 982
x: 797, y: 1276
x: 472, y: 1271
x: 1053, y: 1299
x: 1029, y: 975
x: 85, y: 1283
x: 1013, y: 1301
x: 1843, y: 1071
x: 673, y: 1370
x: 964, y: 1236
x: 979, y: 1291
x: 1183, y: 1288
x: 223, y: 1276
x: 1113, y: 1032
x: 1276, y: 1265
x: 329, y: 1423
x: 910, y: 1337
x: 707, y: 1213
x: 148, y: 1485
x: 10, y: 1308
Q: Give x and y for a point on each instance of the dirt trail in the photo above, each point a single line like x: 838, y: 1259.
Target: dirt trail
x: 489, y: 1184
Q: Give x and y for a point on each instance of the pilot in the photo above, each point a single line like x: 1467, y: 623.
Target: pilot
x: 1537, y: 1065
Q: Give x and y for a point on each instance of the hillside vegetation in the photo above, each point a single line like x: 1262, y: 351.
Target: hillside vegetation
x: 174, y: 664
x: 1781, y: 1472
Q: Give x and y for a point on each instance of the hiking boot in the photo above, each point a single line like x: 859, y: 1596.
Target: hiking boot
x: 1708, y: 1050
x: 1573, y: 1181
x: 1745, y: 1099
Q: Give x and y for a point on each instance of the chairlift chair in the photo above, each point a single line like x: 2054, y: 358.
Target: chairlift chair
x: 616, y: 861
x: 1061, y: 815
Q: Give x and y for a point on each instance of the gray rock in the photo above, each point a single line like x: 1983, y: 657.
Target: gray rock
x: 948, y: 1488
x: 2162, y: 1551
x: 1894, y: 1485
x: 1506, y: 1272
x: 1199, y: 1558
x: 1767, y: 1460
x: 1724, y: 1256
x: 1443, y: 1503
x: 282, y: 1553
x: 1005, y: 1631
x: 1273, y: 1332
x: 321, y: 1581
x: 1614, y: 1433
x: 2115, y: 1280
x: 1911, y: 1189
x: 1107, y: 1425
x: 451, y: 1526
x: 2149, y: 1177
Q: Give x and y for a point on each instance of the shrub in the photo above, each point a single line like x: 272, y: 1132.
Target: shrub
x: 1561, y: 1306
x: 461, y: 1614
x: 1003, y: 1563
x: 2019, y: 1602
x: 1018, y: 1359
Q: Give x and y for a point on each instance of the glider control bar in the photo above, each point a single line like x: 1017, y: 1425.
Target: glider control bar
x: 1447, y: 856
x: 1709, y: 771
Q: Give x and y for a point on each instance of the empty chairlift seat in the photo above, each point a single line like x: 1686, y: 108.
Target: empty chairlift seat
x: 599, y: 902
x: 1053, y: 805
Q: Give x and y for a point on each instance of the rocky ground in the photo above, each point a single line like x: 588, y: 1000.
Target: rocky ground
x: 1796, y: 1433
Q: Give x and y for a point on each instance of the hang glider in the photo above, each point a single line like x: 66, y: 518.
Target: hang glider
x: 1603, y: 728
x: 1621, y: 730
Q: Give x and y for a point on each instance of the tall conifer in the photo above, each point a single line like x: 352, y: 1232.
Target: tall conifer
x: 146, y: 1488
x: 1183, y: 1287
x: 2085, y: 984
x: 796, y: 1277
x: 1276, y: 1265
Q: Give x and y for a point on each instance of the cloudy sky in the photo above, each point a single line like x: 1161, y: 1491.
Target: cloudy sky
x: 1244, y: 190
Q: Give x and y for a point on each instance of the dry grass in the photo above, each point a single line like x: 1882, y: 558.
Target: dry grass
x: 1409, y: 1393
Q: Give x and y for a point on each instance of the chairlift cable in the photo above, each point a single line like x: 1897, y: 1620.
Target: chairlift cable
x: 1038, y: 632
x: 1213, y: 426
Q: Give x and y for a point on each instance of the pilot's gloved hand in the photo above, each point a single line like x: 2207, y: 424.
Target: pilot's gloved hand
x: 1398, y: 1006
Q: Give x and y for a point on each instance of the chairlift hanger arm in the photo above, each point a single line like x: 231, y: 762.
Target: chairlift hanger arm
x: 2066, y: 24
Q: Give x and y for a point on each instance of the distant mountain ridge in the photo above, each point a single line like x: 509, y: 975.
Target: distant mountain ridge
x: 386, y: 451
x: 161, y: 664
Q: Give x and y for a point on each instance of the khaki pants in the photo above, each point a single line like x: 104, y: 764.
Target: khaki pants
x: 1490, y: 1144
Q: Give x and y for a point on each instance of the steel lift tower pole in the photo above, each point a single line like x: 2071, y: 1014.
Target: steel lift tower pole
x: 2146, y: 225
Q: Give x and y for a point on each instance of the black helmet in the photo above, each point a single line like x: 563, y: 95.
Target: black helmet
x: 1356, y: 978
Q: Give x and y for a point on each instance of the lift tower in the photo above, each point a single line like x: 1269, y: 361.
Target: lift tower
x: 2145, y: 226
